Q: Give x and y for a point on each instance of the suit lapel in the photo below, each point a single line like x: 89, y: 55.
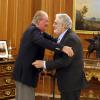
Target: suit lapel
x: 62, y: 41
x: 65, y: 36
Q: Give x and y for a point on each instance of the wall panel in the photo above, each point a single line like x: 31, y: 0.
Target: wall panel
x: 16, y: 15
x: 3, y: 19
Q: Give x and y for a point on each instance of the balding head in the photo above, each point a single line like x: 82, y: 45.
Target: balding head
x: 40, y: 19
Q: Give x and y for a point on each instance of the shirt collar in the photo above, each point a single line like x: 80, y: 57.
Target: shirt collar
x: 61, y: 36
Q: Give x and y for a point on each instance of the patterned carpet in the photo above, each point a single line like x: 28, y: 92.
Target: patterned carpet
x: 48, y: 98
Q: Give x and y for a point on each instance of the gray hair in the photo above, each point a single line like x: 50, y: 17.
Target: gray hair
x: 64, y: 19
x: 38, y: 16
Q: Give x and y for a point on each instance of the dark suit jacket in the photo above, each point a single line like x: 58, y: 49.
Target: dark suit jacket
x: 32, y: 48
x: 69, y: 70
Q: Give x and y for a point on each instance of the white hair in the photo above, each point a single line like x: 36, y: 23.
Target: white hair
x: 64, y: 19
x: 38, y: 16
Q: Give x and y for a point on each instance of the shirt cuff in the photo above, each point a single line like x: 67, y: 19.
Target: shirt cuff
x: 44, y: 64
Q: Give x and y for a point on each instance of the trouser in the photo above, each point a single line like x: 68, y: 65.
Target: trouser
x: 24, y: 92
x: 74, y: 95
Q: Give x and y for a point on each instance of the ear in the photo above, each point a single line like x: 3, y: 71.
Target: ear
x: 38, y: 22
x: 64, y: 26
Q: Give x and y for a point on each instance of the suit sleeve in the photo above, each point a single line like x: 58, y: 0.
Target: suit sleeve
x: 63, y: 60
x: 49, y: 37
x: 39, y: 39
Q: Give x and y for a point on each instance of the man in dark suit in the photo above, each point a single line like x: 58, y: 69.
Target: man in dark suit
x: 69, y: 70
x: 32, y: 46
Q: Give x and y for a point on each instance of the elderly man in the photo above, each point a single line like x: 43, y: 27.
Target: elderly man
x: 69, y: 70
x: 32, y: 46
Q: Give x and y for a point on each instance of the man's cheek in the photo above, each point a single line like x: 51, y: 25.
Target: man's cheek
x: 56, y: 31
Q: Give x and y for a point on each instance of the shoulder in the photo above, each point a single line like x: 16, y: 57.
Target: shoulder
x: 73, y: 36
x: 32, y: 27
x: 72, y: 39
x: 31, y: 30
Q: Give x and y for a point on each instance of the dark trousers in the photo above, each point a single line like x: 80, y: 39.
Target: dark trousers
x: 74, y: 95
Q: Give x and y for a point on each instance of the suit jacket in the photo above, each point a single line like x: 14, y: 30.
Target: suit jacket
x: 32, y: 48
x: 69, y: 70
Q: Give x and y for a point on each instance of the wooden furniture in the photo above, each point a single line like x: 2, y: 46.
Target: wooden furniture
x: 7, y: 85
x: 92, y: 71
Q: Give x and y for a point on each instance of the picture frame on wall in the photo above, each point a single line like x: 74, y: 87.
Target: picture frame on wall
x: 3, y: 49
x: 86, y: 16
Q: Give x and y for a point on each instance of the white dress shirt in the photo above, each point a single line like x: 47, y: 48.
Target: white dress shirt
x: 61, y: 36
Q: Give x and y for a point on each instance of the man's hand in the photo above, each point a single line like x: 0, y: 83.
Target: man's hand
x: 38, y: 63
x: 68, y: 50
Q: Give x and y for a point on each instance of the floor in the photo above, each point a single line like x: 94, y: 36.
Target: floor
x: 47, y: 98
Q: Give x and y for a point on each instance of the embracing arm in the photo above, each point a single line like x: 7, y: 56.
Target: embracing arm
x: 61, y: 62
x: 49, y: 37
x: 58, y: 63
x: 39, y: 39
